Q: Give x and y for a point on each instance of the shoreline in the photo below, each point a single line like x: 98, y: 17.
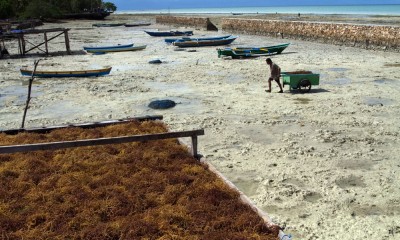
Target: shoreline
x: 323, y: 163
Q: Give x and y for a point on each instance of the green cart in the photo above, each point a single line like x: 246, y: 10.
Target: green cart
x: 300, y: 80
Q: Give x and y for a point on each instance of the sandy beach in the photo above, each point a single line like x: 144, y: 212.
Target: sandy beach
x: 323, y: 165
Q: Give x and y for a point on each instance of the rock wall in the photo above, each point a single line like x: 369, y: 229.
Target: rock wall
x: 365, y: 36
x: 197, y: 22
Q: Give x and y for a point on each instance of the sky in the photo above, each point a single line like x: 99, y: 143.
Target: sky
x: 165, y: 4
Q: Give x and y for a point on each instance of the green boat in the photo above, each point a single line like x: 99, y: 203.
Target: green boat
x: 242, y: 52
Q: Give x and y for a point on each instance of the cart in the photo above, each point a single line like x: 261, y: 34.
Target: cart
x: 301, y: 80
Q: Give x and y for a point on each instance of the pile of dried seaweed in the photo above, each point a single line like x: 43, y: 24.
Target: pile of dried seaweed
x: 149, y: 190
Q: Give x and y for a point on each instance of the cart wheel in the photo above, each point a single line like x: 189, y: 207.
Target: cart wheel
x: 304, y: 85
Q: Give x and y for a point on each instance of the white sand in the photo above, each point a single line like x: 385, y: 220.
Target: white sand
x: 324, y: 164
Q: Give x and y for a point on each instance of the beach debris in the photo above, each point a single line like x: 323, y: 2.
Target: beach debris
x: 179, y: 49
x: 191, y: 50
x: 156, y: 61
x: 162, y: 104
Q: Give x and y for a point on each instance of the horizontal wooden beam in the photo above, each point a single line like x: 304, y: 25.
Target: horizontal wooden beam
x: 81, y: 125
x: 99, y: 141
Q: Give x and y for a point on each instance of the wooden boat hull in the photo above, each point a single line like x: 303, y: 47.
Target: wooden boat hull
x: 125, y: 49
x: 137, y: 24
x: 252, y: 51
x: 108, y: 24
x: 82, y: 73
x: 170, y: 33
x: 204, y: 43
x: 109, y: 47
x: 171, y: 40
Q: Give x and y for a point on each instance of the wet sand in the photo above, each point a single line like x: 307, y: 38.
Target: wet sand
x: 322, y: 164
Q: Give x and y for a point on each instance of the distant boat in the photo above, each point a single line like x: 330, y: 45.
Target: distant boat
x: 122, y: 49
x: 203, y: 43
x: 252, y: 51
x: 108, y: 47
x: 169, y: 33
x: 107, y: 24
x: 79, y: 73
x: 171, y: 40
x: 137, y: 24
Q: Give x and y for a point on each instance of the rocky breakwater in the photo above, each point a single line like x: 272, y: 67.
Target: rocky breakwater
x: 364, y: 36
x: 197, y: 22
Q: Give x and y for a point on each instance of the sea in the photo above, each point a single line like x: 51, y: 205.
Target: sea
x: 390, y: 9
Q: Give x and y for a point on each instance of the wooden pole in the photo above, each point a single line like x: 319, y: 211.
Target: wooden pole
x: 45, y: 44
x: 28, y: 99
x: 67, y: 41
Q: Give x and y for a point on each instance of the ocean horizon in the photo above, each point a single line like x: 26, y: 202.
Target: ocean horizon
x: 384, y: 9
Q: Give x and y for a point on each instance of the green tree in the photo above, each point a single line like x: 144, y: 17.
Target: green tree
x: 41, y: 8
x: 6, y: 9
x: 110, y: 6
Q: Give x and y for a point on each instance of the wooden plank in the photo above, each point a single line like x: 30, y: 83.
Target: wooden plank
x: 98, y: 141
x: 36, y: 46
x: 67, y: 41
x: 82, y: 125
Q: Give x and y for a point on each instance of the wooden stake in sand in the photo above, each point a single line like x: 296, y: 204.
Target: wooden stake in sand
x: 28, y: 99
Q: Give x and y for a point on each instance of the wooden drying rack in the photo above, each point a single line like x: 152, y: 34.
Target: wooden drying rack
x: 99, y: 141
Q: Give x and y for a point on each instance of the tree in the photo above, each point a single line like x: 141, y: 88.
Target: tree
x: 109, y: 6
x: 41, y: 8
x: 6, y: 9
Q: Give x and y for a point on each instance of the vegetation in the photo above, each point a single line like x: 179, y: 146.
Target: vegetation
x: 149, y: 190
x: 49, y: 8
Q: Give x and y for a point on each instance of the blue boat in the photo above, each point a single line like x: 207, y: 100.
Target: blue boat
x: 203, y: 43
x: 108, y: 47
x: 79, y: 73
x: 169, y: 33
x: 171, y: 40
x: 122, y: 49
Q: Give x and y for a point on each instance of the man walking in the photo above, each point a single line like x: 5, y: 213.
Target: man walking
x: 275, y: 75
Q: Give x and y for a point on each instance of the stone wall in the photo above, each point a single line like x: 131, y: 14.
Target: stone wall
x: 365, y: 36
x: 196, y: 22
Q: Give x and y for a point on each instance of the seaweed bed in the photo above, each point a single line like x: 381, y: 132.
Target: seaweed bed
x: 146, y: 190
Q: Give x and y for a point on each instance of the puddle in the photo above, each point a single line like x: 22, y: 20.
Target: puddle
x: 339, y: 81
x: 351, y: 181
x: 338, y: 69
x: 386, y: 81
x: 17, y: 94
x: 258, y: 134
x: 378, y: 101
x: 123, y: 68
x: 302, y: 100
x: 168, y: 88
x: 235, y: 79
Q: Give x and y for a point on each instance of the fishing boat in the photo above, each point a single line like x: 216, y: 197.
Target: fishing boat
x: 239, y: 52
x: 108, y: 47
x: 122, y: 49
x: 169, y: 33
x: 203, y: 43
x: 107, y: 24
x: 171, y: 40
x: 79, y: 73
x: 139, y: 24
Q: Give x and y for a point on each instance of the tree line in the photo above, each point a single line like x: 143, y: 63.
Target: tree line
x: 24, y: 9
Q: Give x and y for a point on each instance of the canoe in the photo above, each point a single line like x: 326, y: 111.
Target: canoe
x: 109, y: 47
x: 107, y: 24
x: 171, y: 40
x: 79, y: 73
x: 136, y: 24
x: 252, y: 51
x: 169, y: 33
x: 203, y: 43
x: 122, y: 49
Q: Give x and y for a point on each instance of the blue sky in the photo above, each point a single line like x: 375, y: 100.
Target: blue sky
x: 164, y: 4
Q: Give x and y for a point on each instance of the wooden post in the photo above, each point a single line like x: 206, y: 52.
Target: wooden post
x: 67, y: 41
x: 194, y: 146
x: 45, y: 43
x: 28, y: 99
